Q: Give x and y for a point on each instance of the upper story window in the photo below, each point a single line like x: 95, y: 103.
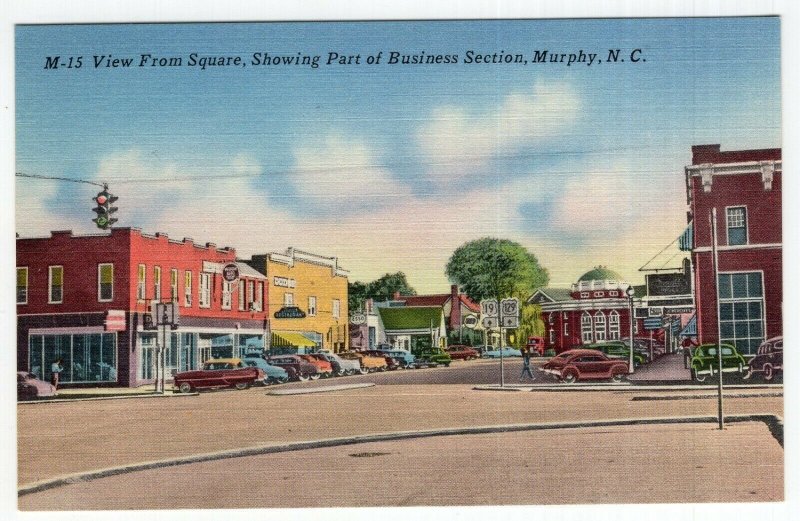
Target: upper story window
x: 251, y: 289
x: 259, y: 295
x: 241, y: 295
x: 599, y: 326
x: 584, y: 294
x: 56, y: 283
x: 288, y: 299
x: 173, y: 284
x: 598, y: 293
x: 187, y: 288
x: 227, y: 293
x: 22, y: 285
x: 157, y: 283
x: 737, y: 225
x: 140, y: 282
x: 312, y: 306
x: 336, y: 308
x: 105, y: 282
x: 205, y: 290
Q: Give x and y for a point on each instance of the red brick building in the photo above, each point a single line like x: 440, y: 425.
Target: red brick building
x: 84, y: 299
x: 745, y: 188
x: 594, y: 309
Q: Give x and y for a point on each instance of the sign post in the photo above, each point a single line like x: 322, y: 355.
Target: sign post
x: 163, y: 314
x: 505, y: 314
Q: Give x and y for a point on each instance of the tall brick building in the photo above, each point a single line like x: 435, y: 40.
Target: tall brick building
x: 745, y: 188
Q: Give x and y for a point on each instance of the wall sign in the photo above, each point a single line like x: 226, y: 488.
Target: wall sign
x: 290, y: 312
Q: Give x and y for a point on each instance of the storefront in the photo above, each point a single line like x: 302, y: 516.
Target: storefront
x: 292, y: 342
x: 88, y: 356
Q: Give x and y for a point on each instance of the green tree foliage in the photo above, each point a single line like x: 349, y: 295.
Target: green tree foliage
x: 379, y: 290
x: 530, y: 324
x: 491, y: 268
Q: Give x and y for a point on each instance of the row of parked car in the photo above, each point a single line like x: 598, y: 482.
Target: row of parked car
x: 767, y: 364
x: 241, y: 373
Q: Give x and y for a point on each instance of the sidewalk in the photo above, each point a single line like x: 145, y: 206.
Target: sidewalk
x: 89, y: 393
x: 668, y: 368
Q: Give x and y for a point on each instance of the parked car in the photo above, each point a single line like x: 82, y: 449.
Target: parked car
x: 216, y: 373
x: 369, y: 364
x: 704, y: 361
x: 616, y: 349
x: 585, y: 364
x: 325, y: 369
x: 403, y: 357
x: 29, y: 387
x: 437, y: 356
x: 642, y: 345
x: 341, y: 366
x: 391, y: 363
x: 296, y: 367
x: 272, y: 373
x: 462, y: 352
x: 535, y: 345
x: 481, y: 348
x: 506, y: 352
x: 768, y: 362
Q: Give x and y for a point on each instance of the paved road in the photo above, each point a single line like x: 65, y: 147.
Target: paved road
x: 569, y: 466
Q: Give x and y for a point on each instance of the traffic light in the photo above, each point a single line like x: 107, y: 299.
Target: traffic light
x: 104, y: 210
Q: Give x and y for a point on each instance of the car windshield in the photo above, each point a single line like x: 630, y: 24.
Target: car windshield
x: 727, y: 351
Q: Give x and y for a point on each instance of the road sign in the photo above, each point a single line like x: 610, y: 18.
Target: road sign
x: 230, y: 272
x: 511, y: 322
x: 358, y: 319
x: 489, y: 322
x: 653, y: 323
x: 509, y: 307
x: 471, y: 321
x: 489, y: 308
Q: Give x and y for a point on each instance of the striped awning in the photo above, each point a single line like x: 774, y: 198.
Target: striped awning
x: 291, y: 339
x: 686, y: 239
x: 691, y: 327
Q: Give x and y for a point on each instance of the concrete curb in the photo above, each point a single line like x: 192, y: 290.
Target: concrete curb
x: 116, y: 397
x: 704, y: 397
x: 774, y: 423
x: 624, y: 387
x: 326, y: 389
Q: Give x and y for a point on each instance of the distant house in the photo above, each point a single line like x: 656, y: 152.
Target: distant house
x: 413, y: 327
x: 454, y: 313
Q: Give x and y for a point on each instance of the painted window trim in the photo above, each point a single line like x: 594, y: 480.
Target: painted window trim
x: 173, y: 284
x: 141, y: 282
x: 204, y: 296
x: 728, y: 225
x: 157, y: 283
x: 187, y: 288
x: 227, y: 295
x: 100, y: 282
x: 27, y: 284
x: 312, y: 308
x: 50, y: 284
x: 336, y: 308
x: 240, y: 293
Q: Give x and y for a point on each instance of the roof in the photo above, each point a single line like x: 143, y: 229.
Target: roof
x: 554, y: 294
x: 410, y: 317
x: 438, y: 300
x: 600, y: 273
x: 245, y: 270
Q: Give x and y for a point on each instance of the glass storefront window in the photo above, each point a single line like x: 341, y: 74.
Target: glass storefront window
x: 86, y: 358
x: 250, y: 344
x: 741, y: 310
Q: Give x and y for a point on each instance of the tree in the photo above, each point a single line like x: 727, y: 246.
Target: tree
x: 490, y: 268
x: 379, y: 290
x: 530, y: 324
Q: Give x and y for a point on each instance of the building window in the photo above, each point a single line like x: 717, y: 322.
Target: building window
x: 56, y: 284
x: 312, y: 306
x: 157, y: 283
x: 737, y: 225
x: 585, y: 294
x: 259, y: 296
x: 187, y: 288
x: 22, y: 285
x: 600, y: 326
x: 251, y: 288
x: 552, y: 336
x: 551, y: 318
x: 288, y: 299
x: 586, y: 328
x: 613, y: 293
x: 598, y: 293
x: 85, y: 357
x: 105, y: 282
x: 741, y: 310
x: 173, y: 284
x: 613, y: 326
x: 205, y: 290
x: 336, y: 308
x: 227, y: 292
x: 140, y: 282
x: 564, y: 316
x: 566, y: 329
x: 241, y: 295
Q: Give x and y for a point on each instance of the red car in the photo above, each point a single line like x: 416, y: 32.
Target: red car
x: 585, y: 364
x: 219, y: 372
x: 324, y: 367
x: 460, y: 352
x: 29, y: 387
x: 297, y: 368
x: 535, y: 345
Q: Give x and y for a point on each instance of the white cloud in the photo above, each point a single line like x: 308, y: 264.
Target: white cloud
x: 456, y: 142
x: 333, y: 170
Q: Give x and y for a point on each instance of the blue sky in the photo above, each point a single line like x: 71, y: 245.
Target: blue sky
x: 393, y: 167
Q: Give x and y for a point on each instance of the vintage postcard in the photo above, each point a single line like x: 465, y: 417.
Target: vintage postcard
x: 399, y: 263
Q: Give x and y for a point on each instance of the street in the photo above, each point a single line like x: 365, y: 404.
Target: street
x: 91, y: 435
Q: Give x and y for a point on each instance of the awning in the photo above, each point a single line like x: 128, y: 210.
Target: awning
x: 290, y: 339
x: 691, y: 327
x: 686, y: 239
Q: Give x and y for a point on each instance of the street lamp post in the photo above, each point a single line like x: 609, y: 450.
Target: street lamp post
x: 630, y: 291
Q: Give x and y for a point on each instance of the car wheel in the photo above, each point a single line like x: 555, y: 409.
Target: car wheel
x: 282, y: 379
x: 185, y: 387
x: 769, y: 372
x: 618, y: 377
x: 302, y: 377
x: 364, y: 370
x: 382, y: 368
x: 698, y: 377
x: 314, y: 376
x: 241, y: 386
x: 341, y: 372
x: 570, y: 378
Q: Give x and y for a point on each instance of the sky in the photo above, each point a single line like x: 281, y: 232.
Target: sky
x: 392, y: 167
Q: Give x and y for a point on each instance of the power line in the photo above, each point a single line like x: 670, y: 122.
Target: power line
x: 35, y: 176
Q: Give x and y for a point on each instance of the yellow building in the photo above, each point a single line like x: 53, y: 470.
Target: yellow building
x: 307, y: 298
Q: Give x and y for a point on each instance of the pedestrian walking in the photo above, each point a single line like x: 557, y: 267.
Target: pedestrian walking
x: 55, y: 371
x: 687, y: 345
x: 526, y: 363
